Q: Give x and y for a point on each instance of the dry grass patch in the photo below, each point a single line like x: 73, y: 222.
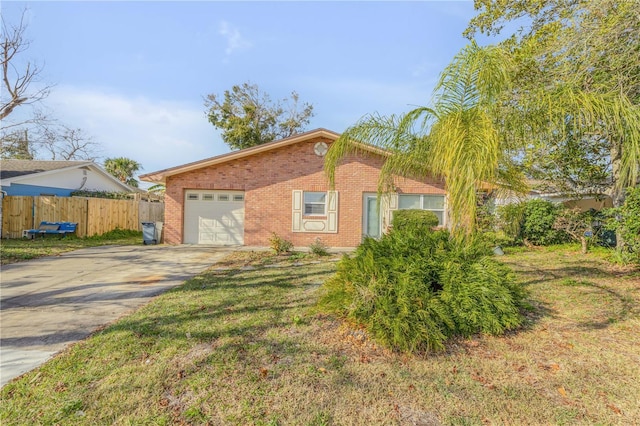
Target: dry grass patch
x: 248, y: 347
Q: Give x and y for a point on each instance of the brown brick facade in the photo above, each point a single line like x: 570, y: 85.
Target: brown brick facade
x: 269, y: 178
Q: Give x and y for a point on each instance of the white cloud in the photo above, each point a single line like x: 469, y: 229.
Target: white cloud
x: 158, y: 134
x: 235, y: 40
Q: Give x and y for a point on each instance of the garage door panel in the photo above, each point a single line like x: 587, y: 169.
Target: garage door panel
x: 214, y: 218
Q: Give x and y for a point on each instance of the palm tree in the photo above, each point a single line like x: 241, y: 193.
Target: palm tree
x: 457, y: 139
x: 123, y: 169
x: 477, y: 130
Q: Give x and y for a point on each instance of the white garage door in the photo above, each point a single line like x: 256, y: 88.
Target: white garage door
x: 214, y: 217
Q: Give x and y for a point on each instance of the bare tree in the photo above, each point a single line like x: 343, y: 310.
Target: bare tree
x: 17, y: 78
x: 67, y: 143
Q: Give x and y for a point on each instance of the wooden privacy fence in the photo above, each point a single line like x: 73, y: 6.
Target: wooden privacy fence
x: 94, y: 216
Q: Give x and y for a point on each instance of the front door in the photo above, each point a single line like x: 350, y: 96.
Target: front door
x: 372, y: 225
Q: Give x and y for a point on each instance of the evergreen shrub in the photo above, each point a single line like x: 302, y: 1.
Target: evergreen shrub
x: 531, y: 221
x: 625, y: 220
x: 538, y: 219
x: 413, y: 289
x: 415, y: 219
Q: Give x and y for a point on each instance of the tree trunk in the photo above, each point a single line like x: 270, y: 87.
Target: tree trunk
x: 585, y: 245
x: 617, y: 191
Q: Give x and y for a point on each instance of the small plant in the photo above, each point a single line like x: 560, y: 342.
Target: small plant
x: 279, y: 244
x: 319, y: 248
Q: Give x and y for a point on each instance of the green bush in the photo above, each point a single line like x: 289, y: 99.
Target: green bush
x: 416, y: 219
x: 509, y: 221
x: 413, y: 290
x: 531, y: 221
x: 538, y: 220
x: 625, y: 220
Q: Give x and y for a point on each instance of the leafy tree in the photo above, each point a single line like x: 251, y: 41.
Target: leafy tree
x: 576, y: 224
x: 248, y: 117
x: 583, y: 55
x: 123, y: 169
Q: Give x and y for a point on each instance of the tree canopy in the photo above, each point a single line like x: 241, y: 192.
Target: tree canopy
x: 578, y: 78
x: 123, y: 169
x: 248, y: 117
x: 548, y: 98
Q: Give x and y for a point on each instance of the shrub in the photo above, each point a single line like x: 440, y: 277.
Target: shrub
x: 509, y: 221
x: 279, y: 244
x: 414, y: 290
x: 319, y: 248
x: 538, y: 219
x: 416, y: 219
x: 531, y: 221
x: 627, y: 223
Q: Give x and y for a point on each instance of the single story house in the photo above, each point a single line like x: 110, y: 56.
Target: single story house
x: 60, y: 178
x: 242, y: 197
x: 583, y: 200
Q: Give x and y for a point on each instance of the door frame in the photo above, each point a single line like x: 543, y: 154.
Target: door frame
x: 366, y: 198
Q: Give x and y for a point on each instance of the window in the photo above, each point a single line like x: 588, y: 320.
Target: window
x: 223, y: 197
x: 433, y: 203
x: 192, y: 197
x: 207, y: 197
x: 238, y: 197
x: 315, y: 203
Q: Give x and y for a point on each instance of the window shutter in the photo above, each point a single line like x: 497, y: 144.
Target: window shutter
x: 297, y: 211
x: 332, y: 211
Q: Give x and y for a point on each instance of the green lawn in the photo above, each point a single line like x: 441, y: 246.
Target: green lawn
x: 243, y: 344
x: 19, y: 250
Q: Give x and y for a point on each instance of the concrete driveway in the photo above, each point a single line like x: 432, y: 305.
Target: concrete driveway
x: 48, y: 303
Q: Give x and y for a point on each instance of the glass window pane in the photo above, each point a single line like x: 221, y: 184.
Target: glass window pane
x: 315, y: 197
x: 433, y: 202
x: 238, y: 197
x: 314, y: 209
x: 192, y: 196
x: 409, y: 202
x: 223, y: 197
x: 440, y: 217
x: 207, y: 197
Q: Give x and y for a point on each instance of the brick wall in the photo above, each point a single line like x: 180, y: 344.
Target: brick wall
x: 268, y: 180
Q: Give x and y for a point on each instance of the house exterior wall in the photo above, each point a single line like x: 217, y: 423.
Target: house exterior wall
x: 269, y: 179
x: 62, y: 183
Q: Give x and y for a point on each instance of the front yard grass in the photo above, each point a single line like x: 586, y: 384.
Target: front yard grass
x: 19, y: 250
x: 243, y: 344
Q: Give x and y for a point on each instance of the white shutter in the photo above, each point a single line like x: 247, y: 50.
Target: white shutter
x: 332, y: 211
x: 296, y: 211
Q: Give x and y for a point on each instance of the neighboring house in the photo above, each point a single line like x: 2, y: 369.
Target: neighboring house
x: 244, y: 196
x: 584, y: 202
x: 60, y: 178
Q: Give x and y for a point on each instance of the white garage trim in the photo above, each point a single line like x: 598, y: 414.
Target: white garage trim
x: 214, y: 217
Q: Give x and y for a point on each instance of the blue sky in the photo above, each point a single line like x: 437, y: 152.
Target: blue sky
x: 133, y: 75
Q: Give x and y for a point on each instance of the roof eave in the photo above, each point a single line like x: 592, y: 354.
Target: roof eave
x: 160, y: 176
